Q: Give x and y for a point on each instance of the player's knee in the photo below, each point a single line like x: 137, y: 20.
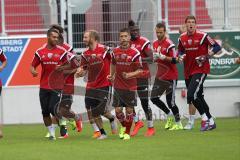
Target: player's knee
x: 129, y: 110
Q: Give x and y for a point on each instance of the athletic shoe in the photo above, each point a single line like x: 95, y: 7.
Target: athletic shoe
x: 96, y: 134
x: 47, y: 135
x: 64, y: 137
x: 63, y: 130
x: 169, y: 123
x: 72, y: 123
x: 189, y: 126
x: 150, y: 132
x: 176, y: 127
x: 122, y: 132
x: 103, y: 136
x: 204, y: 125
x: 52, y: 138
x: 126, y: 136
x: 137, y: 126
x: 79, y: 125
x: 211, y: 127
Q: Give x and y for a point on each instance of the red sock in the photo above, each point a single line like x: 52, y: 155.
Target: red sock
x: 121, y: 117
x: 129, y: 120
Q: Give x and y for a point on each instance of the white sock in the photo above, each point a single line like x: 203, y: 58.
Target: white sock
x: 211, y: 121
x: 95, y: 127
x: 191, y: 119
x: 135, y: 118
x: 204, y: 117
x: 51, y: 130
x: 150, y: 124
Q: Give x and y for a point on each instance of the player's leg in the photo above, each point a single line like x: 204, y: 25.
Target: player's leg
x: 170, y: 98
x: 128, y: 122
x: 212, y: 124
x: 54, y: 101
x: 66, y: 112
x: 101, y: 95
x: 192, y: 97
x: 119, y: 112
x: 143, y: 93
x: 89, y: 102
x: 107, y: 114
x: 191, y: 110
x: 44, y: 96
x: 158, y: 89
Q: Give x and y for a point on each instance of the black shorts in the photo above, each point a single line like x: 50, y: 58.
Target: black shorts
x: 96, y: 100
x: 49, y: 100
x: 66, y: 101
x: 124, y: 98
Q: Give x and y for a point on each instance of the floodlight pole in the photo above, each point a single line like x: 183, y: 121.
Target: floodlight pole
x: 3, y: 18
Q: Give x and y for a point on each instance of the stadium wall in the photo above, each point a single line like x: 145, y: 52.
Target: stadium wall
x: 21, y: 104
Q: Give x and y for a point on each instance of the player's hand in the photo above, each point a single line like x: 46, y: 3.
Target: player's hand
x: 126, y: 75
x: 201, y: 59
x: 80, y: 72
x: 157, y: 55
x: 181, y: 58
x: 34, y: 73
x: 111, y: 77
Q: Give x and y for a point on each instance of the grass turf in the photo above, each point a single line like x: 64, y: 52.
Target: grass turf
x: 27, y: 142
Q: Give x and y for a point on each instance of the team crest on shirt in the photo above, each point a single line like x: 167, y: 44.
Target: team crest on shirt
x: 117, y: 56
x: 50, y: 55
x: 43, y: 56
x: 94, y: 56
x: 190, y: 42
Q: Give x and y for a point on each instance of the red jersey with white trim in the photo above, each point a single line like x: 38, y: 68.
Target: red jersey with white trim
x: 143, y: 45
x: 49, y: 59
x: 3, y: 58
x: 69, y: 79
x: 97, y: 63
x: 126, y: 60
x: 193, y: 46
x: 166, y: 70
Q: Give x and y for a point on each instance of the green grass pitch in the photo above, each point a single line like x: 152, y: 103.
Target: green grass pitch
x: 27, y: 142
